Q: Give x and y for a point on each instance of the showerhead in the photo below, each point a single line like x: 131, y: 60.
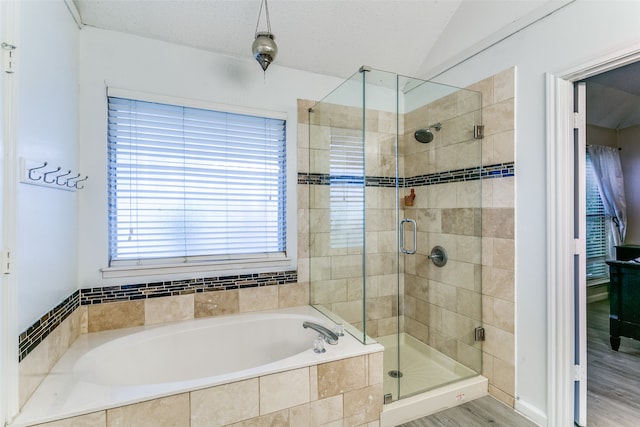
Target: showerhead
x: 425, y: 135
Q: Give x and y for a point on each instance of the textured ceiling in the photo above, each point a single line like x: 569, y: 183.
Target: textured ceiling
x: 333, y: 37
x: 417, y: 38
x: 613, y: 98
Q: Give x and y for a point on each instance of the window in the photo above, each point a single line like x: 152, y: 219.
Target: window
x: 191, y: 185
x: 597, y: 235
x: 346, y: 188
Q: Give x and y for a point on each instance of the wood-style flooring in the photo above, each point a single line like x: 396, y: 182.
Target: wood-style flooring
x: 613, y: 386
x: 613, y: 377
x: 485, y: 411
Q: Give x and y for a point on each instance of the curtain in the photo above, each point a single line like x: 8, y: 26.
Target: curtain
x: 608, y: 172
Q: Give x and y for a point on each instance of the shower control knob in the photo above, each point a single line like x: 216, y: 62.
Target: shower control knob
x: 438, y: 256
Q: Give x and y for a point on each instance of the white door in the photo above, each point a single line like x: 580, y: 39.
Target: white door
x: 580, y: 263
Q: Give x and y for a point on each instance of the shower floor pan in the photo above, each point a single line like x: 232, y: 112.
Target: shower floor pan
x: 427, y: 380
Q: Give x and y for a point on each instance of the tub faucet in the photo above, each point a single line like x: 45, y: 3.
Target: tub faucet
x: 329, y: 336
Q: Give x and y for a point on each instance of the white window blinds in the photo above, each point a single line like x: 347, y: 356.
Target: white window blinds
x: 597, y: 235
x: 347, y: 188
x: 189, y: 184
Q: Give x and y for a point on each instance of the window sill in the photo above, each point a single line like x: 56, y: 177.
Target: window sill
x: 191, y: 268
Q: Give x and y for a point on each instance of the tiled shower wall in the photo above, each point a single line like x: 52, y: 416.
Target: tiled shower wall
x: 337, y: 272
x: 498, y: 235
x: 442, y: 305
x: 473, y: 220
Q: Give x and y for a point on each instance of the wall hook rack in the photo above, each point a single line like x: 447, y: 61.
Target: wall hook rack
x: 45, y: 175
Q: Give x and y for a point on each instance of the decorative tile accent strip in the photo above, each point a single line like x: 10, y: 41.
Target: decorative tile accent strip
x: 182, y: 287
x: 36, y: 333
x: 499, y: 170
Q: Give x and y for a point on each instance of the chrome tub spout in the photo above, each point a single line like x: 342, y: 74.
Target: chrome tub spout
x: 329, y: 336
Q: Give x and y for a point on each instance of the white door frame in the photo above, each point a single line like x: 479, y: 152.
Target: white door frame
x: 561, y: 245
x: 9, y: 22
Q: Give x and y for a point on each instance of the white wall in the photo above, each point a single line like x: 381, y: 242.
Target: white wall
x: 112, y: 59
x: 582, y: 31
x: 47, y: 123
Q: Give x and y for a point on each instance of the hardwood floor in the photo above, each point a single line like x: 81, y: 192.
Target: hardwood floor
x: 482, y: 412
x: 613, y: 377
x: 613, y: 386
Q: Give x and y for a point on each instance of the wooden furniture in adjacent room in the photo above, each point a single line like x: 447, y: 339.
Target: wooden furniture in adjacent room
x: 624, y: 295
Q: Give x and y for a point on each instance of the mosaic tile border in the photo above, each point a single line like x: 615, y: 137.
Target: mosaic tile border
x: 29, y: 339
x: 37, y: 332
x: 498, y: 170
x: 107, y: 294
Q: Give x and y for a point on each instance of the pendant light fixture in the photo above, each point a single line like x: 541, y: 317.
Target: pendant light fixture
x: 264, y: 47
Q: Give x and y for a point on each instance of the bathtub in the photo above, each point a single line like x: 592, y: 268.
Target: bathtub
x: 109, y: 369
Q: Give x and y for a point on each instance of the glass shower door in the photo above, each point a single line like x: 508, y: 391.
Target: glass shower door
x: 394, y: 171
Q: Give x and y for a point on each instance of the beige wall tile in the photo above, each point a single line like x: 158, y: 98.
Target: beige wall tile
x: 95, y: 419
x: 504, y: 192
x: 58, y: 341
x: 505, y: 398
x: 486, y: 88
x: 328, y: 291
x: 503, y: 147
x: 293, y: 295
x: 31, y: 372
x: 416, y: 329
x: 313, y: 383
x: 503, y: 315
x: 327, y: 410
x: 498, y: 222
x: 503, y: 254
x: 499, y: 343
x: 341, y: 376
x: 300, y: 416
x: 504, y: 85
x: 387, y: 326
x: 225, y: 404
x: 470, y: 356
x: 380, y: 307
x: 166, y: 411
x: 498, y: 283
x: 258, y: 298
x: 216, y: 303
x: 499, y: 117
x: 284, y: 390
x: 303, y: 109
x: 116, y: 315
x: 465, y: 221
x: 504, y: 376
x: 363, y: 405
x: 350, y: 311
x: 375, y: 367
x: 275, y: 419
x: 168, y: 309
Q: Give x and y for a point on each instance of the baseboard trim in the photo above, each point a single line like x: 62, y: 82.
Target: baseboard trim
x: 531, y: 412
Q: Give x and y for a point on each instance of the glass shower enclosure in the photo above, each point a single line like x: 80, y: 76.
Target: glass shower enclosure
x: 395, y: 223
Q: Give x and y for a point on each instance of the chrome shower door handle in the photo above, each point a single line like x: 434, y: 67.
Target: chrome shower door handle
x: 415, y: 237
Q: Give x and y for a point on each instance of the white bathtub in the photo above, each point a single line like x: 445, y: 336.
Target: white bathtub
x: 114, y: 368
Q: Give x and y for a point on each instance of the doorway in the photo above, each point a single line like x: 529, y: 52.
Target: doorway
x: 563, y: 324
x: 613, y: 127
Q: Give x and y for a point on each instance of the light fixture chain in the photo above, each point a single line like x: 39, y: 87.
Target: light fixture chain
x: 266, y: 8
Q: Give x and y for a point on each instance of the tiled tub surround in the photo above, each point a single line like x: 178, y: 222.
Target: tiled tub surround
x: 431, y: 299
x: 271, y: 377
x: 114, y: 307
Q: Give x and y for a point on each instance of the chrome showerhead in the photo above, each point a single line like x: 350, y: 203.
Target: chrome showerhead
x: 425, y: 135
